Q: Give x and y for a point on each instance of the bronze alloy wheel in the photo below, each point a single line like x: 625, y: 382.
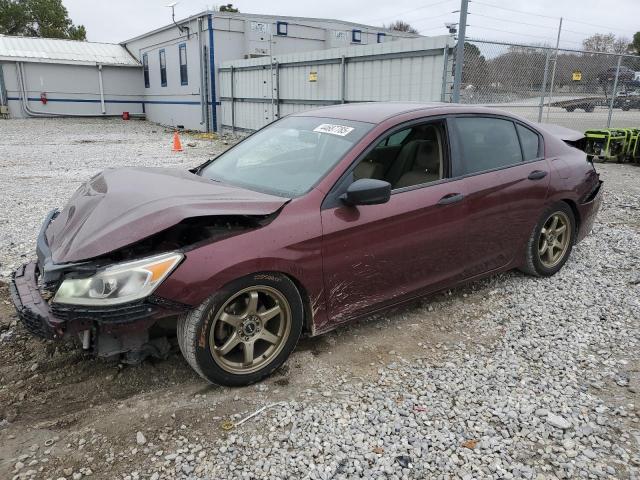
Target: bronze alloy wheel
x: 250, y: 329
x: 554, y: 240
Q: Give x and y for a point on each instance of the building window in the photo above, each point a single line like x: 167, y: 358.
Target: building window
x: 356, y: 36
x: 184, y: 76
x: 163, y: 68
x: 282, y: 28
x: 381, y: 37
x: 145, y: 69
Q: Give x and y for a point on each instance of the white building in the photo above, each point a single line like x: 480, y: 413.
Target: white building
x: 48, y: 77
x: 170, y: 74
x: 179, y: 58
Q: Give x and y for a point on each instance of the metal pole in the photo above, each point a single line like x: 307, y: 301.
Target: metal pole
x: 277, y: 65
x: 462, y: 29
x: 445, y: 71
x: 203, y: 105
x: 615, y: 88
x: 553, y: 72
x: 343, y: 78
x: 544, y: 86
x: 233, y: 107
x: 102, y: 106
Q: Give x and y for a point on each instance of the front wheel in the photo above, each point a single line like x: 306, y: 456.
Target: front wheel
x: 244, y: 332
x: 551, y: 241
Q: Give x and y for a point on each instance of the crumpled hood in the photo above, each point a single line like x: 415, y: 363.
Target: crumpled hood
x: 120, y: 207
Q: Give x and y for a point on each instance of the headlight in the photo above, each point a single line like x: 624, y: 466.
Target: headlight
x: 120, y: 283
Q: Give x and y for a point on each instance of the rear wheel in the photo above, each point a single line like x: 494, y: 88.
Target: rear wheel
x: 244, y: 332
x: 551, y: 241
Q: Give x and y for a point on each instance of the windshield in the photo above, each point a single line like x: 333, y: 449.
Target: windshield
x: 289, y: 157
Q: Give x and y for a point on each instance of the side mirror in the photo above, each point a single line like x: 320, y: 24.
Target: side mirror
x: 367, y: 191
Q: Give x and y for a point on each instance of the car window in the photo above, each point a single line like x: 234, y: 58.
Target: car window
x: 488, y: 143
x: 418, y: 159
x: 397, y: 138
x: 530, y: 143
x: 288, y: 157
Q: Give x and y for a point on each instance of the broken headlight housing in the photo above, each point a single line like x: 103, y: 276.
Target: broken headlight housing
x: 120, y: 283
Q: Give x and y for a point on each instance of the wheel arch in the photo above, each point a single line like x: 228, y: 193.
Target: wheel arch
x: 307, y: 326
x: 575, y: 211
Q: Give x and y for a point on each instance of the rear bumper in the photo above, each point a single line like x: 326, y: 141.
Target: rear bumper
x: 588, y: 211
x: 53, y: 321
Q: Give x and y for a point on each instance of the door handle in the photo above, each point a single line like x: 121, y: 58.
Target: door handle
x: 451, y: 198
x: 537, y: 175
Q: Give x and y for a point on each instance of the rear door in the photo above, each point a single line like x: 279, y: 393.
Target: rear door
x: 507, y: 179
x: 381, y: 254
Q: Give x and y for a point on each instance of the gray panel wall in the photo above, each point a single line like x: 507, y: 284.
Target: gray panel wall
x: 257, y: 91
x: 75, y: 89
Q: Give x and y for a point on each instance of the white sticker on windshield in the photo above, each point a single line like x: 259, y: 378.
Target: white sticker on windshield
x: 341, y: 130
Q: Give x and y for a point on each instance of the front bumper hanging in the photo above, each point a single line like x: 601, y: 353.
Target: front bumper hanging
x: 33, y: 310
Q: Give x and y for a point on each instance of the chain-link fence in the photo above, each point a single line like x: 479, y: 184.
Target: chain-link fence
x: 576, y: 89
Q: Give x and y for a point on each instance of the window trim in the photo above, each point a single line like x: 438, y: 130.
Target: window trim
x: 332, y: 198
x: 457, y: 134
x: 522, y: 146
x: 183, y: 81
x: 381, y: 36
x: 353, y: 35
x: 161, y: 54
x: 285, y: 32
x: 145, y: 70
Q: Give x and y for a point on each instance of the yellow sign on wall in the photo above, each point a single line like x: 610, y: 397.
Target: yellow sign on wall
x: 313, y: 76
x: 577, y: 76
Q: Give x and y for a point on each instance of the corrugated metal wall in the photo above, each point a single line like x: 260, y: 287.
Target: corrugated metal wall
x: 257, y: 91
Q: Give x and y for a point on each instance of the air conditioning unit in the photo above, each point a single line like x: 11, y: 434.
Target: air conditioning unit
x: 4, y: 110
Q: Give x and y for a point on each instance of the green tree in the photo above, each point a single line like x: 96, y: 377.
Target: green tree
x: 228, y: 8
x: 38, y: 18
x: 634, y: 46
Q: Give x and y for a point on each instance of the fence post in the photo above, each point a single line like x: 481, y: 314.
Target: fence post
x: 445, y: 71
x: 462, y: 28
x: 613, y: 94
x: 343, y: 79
x: 277, y: 89
x: 544, y: 86
x: 233, y: 106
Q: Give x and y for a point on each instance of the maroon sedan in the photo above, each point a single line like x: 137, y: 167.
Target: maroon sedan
x: 317, y: 219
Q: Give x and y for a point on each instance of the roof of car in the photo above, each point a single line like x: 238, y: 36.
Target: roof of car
x: 376, y: 112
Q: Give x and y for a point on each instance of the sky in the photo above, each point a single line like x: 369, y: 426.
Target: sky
x: 518, y: 21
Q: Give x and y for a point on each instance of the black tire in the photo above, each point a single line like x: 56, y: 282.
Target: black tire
x: 193, y: 330
x: 570, y: 109
x: 534, y: 264
x: 589, y: 109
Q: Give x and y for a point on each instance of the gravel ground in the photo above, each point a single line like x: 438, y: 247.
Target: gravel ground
x: 509, y: 377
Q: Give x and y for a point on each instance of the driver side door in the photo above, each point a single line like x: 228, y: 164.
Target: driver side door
x: 378, y: 255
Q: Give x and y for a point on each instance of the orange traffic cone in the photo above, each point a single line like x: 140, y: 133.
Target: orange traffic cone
x: 177, y: 145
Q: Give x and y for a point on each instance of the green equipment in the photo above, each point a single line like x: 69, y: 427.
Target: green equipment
x: 607, y: 144
x: 633, y: 147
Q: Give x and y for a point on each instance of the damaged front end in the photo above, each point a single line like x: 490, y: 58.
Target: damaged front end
x: 123, y: 232
x: 77, y: 300
x: 105, y: 328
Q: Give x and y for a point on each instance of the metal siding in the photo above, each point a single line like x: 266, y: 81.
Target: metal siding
x: 49, y: 50
x: 409, y: 70
x: 74, y: 89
